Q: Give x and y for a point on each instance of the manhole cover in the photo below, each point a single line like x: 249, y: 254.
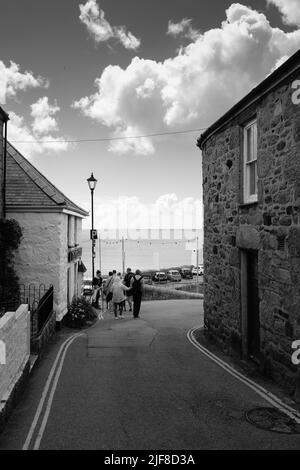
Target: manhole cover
x: 272, y: 419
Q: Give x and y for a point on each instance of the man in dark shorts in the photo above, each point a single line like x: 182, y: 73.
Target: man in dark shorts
x: 127, y: 281
x: 137, y: 292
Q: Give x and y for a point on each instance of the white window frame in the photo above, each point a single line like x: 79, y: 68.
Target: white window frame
x: 247, y: 197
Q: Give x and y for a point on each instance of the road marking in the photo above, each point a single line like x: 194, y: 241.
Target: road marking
x: 36, y: 418
x: 268, y: 396
x: 51, y: 396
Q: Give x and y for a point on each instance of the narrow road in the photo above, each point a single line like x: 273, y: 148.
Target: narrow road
x: 140, y: 384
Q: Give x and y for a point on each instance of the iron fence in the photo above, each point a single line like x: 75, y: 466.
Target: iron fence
x: 39, y: 299
x: 45, y: 308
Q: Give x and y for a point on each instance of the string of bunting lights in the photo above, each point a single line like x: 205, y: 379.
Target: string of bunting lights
x: 147, y: 242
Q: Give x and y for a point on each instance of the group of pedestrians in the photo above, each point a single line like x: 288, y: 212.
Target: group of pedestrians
x: 117, y: 291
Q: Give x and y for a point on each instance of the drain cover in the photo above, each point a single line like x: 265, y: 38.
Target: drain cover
x: 272, y: 419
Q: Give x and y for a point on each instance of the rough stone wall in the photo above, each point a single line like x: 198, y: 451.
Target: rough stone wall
x: 164, y: 293
x: 271, y: 226
x: 1, y: 169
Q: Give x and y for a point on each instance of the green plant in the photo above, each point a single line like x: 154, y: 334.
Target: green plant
x: 10, y: 237
x: 79, y: 313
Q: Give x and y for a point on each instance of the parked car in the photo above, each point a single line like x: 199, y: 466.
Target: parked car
x: 87, y: 287
x: 174, y: 275
x: 147, y: 279
x: 160, y: 276
x: 186, y: 273
x: 200, y: 270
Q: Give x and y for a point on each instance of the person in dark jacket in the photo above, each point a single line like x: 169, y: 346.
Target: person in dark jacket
x: 100, y: 280
x: 127, y: 281
x: 97, y: 283
x: 137, y: 292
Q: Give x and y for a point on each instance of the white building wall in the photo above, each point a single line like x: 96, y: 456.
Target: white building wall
x: 15, y: 349
x: 42, y: 257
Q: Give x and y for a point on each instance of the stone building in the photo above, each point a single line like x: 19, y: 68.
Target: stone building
x: 51, y: 224
x: 3, y: 124
x: 251, y: 187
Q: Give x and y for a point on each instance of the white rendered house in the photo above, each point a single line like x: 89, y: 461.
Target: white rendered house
x: 50, y: 251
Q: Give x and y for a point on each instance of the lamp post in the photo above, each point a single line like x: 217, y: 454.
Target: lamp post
x: 92, y: 185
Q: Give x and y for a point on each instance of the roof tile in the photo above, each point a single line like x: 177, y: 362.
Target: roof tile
x: 27, y: 187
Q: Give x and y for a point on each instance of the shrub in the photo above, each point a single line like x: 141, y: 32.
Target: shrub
x: 10, y: 237
x: 79, y: 313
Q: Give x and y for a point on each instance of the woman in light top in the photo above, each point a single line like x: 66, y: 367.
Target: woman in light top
x: 118, y: 296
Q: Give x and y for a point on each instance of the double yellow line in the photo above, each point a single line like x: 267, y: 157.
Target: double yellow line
x: 268, y: 396
x: 38, y: 426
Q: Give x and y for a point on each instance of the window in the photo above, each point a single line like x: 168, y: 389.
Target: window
x: 250, y: 162
x: 70, y: 231
x: 76, y: 231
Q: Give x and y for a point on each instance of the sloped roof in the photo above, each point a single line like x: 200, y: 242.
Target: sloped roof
x: 3, y: 115
x: 27, y: 188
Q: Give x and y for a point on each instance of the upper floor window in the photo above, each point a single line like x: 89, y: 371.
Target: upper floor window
x: 250, y: 162
x: 76, y: 230
x: 69, y: 233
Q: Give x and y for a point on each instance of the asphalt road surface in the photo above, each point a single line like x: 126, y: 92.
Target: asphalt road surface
x: 138, y: 384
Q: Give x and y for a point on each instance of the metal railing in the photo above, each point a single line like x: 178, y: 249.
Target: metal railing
x: 45, y: 308
x: 39, y: 299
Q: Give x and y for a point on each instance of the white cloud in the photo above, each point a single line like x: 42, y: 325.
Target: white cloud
x: 42, y: 113
x: 290, y: 9
x: 183, y: 28
x: 141, y: 146
x: 12, y: 81
x: 35, y: 138
x: 130, y: 213
x: 101, y: 30
x: 194, y: 87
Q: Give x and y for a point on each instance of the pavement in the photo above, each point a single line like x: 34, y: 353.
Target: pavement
x: 137, y: 384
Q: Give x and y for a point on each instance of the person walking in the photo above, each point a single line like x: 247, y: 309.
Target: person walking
x: 107, y: 289
x: 137, y: 292
x: 97, y: 281
x: 99, y: 277
x: 118, y: 296
x: 127, y: 281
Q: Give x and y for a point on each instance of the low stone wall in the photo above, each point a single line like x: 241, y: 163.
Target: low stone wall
x: 190, y: 288
x: 14, y: 357
x: 164, y: 293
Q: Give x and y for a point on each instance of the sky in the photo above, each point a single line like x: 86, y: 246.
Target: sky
x: 115, y: 69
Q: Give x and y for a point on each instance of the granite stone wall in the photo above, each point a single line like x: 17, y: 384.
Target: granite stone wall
x: 1, y: 169
x: 165, y: 293
x: 271, y: 226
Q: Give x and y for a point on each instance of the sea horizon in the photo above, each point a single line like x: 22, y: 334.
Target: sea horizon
x: 166, y: 248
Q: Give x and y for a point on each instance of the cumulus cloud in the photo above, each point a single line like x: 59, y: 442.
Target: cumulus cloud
x: 131, y: 214
x: 182, y: 28
x: 36, y: 138
x: 13, y: 80
x: 101, y: 30
x: 290, y: 9
x: 194, y: 87
x: 42, y: 113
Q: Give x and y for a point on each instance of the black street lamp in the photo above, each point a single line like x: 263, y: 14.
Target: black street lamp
x: 92, y: 185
